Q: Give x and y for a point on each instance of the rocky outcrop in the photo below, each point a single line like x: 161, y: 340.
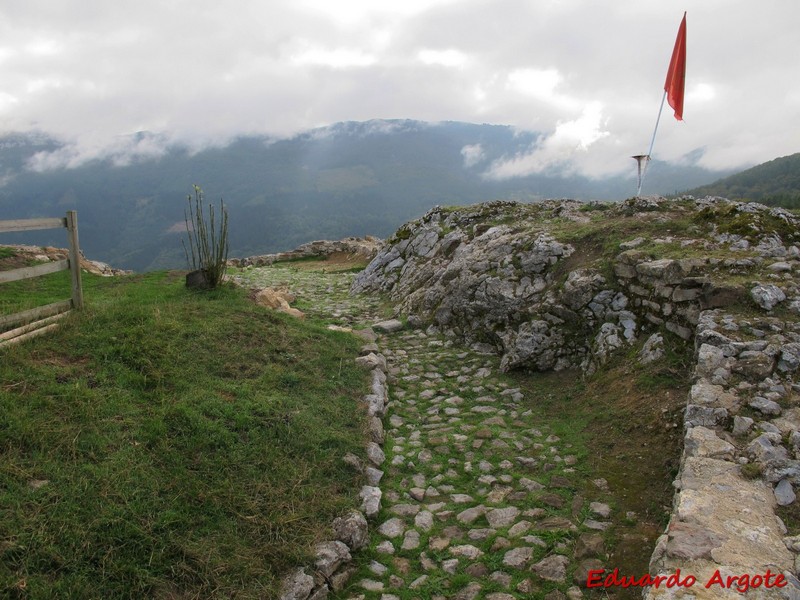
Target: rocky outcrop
x: 492, y: 285
x: 498, y: 276
x: 365, y: 248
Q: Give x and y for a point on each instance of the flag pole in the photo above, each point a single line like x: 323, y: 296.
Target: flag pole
x: 673, y: 91
x: 646, y: 157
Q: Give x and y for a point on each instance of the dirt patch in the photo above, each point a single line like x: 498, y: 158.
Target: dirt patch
x: 174, y: 276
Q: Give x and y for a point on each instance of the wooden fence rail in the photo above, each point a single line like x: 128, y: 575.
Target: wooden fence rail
x: 36, y: 321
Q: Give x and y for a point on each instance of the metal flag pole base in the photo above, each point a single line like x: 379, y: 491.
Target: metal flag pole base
x: 641, y: 163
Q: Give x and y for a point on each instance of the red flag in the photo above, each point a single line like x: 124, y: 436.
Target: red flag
x: 676, y: 75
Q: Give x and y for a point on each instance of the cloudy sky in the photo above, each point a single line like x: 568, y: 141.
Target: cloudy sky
x: 586, y: 73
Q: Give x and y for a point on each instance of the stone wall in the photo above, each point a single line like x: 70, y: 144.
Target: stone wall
x: 516, y: 293
x: 490, y: 286
x: 740, y: 459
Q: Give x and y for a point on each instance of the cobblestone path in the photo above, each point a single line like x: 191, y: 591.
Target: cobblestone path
x: 479, y: 499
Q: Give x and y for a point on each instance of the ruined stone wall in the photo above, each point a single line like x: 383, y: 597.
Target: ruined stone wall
x: 517, y: 294
x: 51, y: 254
x: 740, y: 459
x: 366, y: 248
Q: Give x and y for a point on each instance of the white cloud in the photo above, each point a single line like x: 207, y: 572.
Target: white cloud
x: 352, y: 12
x: 44, y: 47
x: 7, y: 102
x: 120, y: 151
x: 539, y: 83
x: 92, y: 70
x: 557, y: 149
x: 444, y: 58
x: 338, y: 58
x: 473, y: 154
x: 701, y: 92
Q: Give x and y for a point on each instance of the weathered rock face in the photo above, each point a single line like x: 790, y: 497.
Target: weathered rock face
x: 493, y: 284
x: 501, y: 277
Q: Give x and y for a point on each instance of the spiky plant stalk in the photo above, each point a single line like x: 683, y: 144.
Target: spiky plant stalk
x: 207, y: 243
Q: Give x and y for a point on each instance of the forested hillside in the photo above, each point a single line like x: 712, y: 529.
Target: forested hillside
x: 775, y: 183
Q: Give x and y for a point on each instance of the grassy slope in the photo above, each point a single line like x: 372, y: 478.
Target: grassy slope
x: 191, y: 443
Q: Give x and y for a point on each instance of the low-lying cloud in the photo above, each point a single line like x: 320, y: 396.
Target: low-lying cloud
x: 586, y: 75
x: 558, y: 151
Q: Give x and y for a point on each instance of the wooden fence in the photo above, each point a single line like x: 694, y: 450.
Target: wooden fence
x: 39, y: 320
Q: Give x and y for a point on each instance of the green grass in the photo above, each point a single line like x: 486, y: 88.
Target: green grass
x: 191, y: 444
x: 30, y: 293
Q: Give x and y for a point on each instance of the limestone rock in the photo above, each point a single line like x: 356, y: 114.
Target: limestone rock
x: 297, y: 586
x: 389, y: 326
x: 375, y: 454
x: 277, y: 299
x: 600, y: 509
x: 652, y: 350
x: 742, y: 425
x: 784, y: 493
x: 764, y: 406
x: 691, y: 541
x: 471, y: 514
x: 502, y: 517
x: 352, y: 529
x: 370, y: 501
x: 467, y: 551
x: 552, y: 568
x: 767, y: 296
x: 518, y: 557
x: 329, y: 556
x: 392, y: 528
x: 372, y: 361
x: 701, y: 441
x: 470, y: 592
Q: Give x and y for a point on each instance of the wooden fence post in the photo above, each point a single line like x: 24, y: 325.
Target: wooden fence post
x: 74, y: 259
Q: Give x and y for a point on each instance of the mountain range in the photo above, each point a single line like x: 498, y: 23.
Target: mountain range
x: 348, y: 179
